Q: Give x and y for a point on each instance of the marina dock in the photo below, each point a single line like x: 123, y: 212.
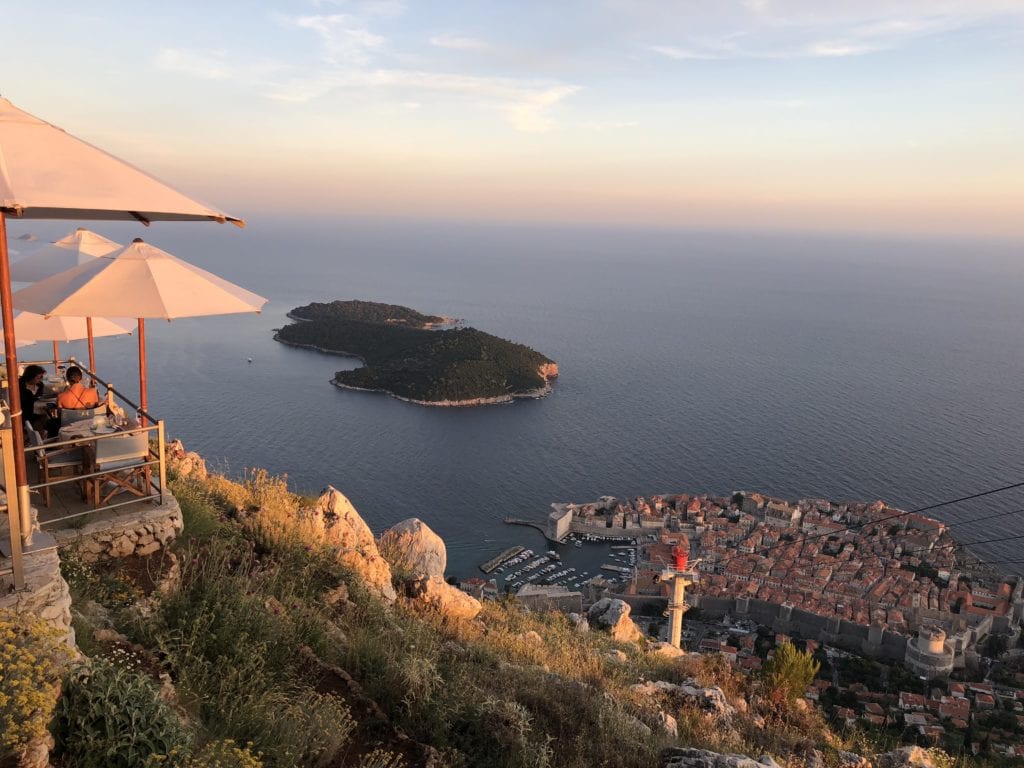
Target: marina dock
x: 494, y: 562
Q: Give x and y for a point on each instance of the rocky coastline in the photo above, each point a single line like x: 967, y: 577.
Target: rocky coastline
x: 548, y: 371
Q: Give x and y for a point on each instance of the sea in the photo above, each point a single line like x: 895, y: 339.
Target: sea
x: 847, y: 367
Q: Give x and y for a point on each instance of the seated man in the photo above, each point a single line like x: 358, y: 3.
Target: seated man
x: 77, y: 396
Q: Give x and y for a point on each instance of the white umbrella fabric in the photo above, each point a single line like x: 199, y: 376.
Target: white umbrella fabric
x: 30, y: 328
x: 70, y: 251
x: 80, y: 246
x: 46, y: 173
x: 138, y: 281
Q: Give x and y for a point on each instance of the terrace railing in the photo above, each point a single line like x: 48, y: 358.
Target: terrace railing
x: 153, y: 468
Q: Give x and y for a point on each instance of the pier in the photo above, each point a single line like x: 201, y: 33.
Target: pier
x: 531, y: 524
x: 494, y: 562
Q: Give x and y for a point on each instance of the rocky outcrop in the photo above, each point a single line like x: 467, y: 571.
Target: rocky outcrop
x: 707, y: 698
x: 337, y: 523
x: 682, y: 757
x: 185, y: 463
x: 613, y: 615
x: 412, y: 547
x: 666, y: 650
x: 905, y: 757
x: 419, y: 557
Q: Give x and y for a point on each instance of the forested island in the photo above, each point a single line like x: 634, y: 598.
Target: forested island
x: 426, y: 359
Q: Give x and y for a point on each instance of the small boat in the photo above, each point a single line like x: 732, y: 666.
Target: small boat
x: 578, y: 543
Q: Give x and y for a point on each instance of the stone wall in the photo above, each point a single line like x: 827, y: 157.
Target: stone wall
x: 46, y: 594
x: 139, y: 530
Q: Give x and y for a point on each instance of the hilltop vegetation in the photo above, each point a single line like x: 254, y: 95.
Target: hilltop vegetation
x: 404, y: 357
x: 263, y: 650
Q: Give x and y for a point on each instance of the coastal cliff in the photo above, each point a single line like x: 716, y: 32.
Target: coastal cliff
x: 280, y: 631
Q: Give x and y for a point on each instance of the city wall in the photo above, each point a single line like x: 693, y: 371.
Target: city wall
x: 790, y: 620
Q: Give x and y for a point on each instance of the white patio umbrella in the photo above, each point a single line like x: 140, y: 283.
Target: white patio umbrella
x: 70, y: 251
x: 138, y: 281
x: 30, y: 328
x: 46, y: 173
x: 80, y: 246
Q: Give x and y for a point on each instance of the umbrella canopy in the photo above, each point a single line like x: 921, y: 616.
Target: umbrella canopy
x: 140, y: 280
x: 30, y: 327
x: 77, y: 248
x: 46, y: 173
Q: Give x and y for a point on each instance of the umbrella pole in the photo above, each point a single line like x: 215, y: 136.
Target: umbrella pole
x: 13, y: 389
x: 56, y: 358
x: 142, y: 371
x: 92, y: 352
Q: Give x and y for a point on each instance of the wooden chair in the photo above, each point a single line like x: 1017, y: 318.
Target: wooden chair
x: 122, y: 460
x: 54, y: 463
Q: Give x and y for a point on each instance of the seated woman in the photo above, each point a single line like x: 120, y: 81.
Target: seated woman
x: 77, y: 396
x: 30, y: 384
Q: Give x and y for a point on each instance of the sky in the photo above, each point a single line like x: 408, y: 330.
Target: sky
x: 864, y: 116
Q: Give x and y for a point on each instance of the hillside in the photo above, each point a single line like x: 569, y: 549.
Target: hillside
x: 279, y: 632
x: 406, y: 356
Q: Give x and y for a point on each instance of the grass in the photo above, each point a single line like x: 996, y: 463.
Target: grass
x: 258, y: 656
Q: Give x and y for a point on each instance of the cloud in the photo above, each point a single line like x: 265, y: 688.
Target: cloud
x: 458, y: 43
x: 777, y: 29
x: 345, y: 40
x: 526, y: 105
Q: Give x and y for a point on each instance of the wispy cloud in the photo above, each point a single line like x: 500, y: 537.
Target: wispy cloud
x: 353, y: 57
x: 778, y: 29
x: 524, y: 104
x: 345, y: 40
x: 458, y: 43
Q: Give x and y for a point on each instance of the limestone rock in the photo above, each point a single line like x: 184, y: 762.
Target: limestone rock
x: 414, y: 548
x: 710, y: 699
x: 669, y: 724
x: 613, y: 615
x: 339, y: 524
x: 419, y: 555
x: 852, y: 760
x: 435, y: 594
x: 618, y: 656
x: 667, y: 650
x: 579, y: 623
x: 904, y: 757
x: 685, y: 757
x: 185, y: 463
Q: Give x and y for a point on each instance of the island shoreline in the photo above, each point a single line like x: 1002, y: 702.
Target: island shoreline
x: 533, y: 394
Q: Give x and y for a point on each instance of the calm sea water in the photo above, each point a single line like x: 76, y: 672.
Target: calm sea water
x: 848, y: 368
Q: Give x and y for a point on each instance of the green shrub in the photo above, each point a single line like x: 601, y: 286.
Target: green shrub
x: 113, y: 717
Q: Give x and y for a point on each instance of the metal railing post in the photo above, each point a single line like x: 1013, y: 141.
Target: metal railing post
x: 162, y: 448
x: 13, y: 507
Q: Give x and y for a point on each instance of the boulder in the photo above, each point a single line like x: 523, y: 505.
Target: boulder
x: 685, y: 757
x: 435, y: 594
x: 852, y: 760
x: 579, y: 623
x: 905, y: 757
x: 669, y: 724
x: 338, y: 523
x: 667, y: 650
x: 185, y: 463
x: 709, y: 699
x: 419, y: 557
x: 613, y: 615
x: 412, y: 547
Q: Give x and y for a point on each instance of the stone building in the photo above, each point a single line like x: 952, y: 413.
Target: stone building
x: 929, y: 654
